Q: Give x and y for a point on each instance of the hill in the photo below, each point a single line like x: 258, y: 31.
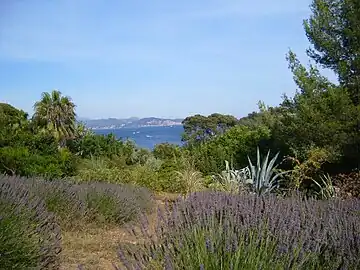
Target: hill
x: 133, y: 122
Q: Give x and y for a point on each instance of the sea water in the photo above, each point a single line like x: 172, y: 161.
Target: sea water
x: 147, y: 137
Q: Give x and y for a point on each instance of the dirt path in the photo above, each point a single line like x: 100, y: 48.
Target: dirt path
x: 96, y: 248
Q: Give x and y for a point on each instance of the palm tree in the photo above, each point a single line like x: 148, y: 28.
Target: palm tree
x: 56, y: 113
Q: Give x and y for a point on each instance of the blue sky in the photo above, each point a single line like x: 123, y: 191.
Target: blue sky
x: 150, y: 58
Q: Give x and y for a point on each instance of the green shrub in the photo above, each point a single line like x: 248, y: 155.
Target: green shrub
x: 139, y: 156
x: 234, y: 145
x: 29, y: 235
x: 144, y: 176
x: 168, y: 179
x: 99, y: 169
x: 21, y: 161
x: 154, y: 163
x: 167, y: 151
x: 96, y: 145
x: 14, y: 160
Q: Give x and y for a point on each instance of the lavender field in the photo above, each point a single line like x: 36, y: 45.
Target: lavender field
x: 204, y: 230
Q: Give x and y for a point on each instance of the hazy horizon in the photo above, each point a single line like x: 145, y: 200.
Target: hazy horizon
x: 86, y: 118
x: 117, y: 59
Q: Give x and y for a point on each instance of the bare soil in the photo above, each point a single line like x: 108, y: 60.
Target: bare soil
x: 96, y: 248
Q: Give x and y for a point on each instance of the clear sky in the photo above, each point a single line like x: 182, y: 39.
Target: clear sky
x: 164, y: 58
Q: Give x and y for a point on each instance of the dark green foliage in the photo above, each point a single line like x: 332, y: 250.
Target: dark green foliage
x: 334, y: 31
x: 96, y: 145
x: 320, y: 115
x: 234, y: 145
x: 167, y: 180
x: 167, y: 151
x: 199, y: 128
x: 56, y: 115
x: 215, y: 231
x: 11, y: 118
x: 29, y: 234
x: 28, y: 153
x: 139, y: 156
x: 21, y: 161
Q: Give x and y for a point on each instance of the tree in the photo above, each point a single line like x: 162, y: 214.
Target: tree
x: 56, y: 113
x: 12, y: 118
x: 199, y: 128
x: 320, y: 118
x: 234, y: 146
x: 334, y: 31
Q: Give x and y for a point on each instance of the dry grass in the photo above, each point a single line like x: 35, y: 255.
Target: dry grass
x: 95, y: 248
x: 161, y: 197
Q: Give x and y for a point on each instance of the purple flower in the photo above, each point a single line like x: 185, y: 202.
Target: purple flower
x: 209, y: 245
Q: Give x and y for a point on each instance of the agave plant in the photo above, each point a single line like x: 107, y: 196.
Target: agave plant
x: 264, y: 178
x: 327, y: 189
x: 231, y: 180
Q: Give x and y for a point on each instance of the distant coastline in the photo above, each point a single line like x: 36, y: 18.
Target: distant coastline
x: 127, y: 127
x: 114, y: 123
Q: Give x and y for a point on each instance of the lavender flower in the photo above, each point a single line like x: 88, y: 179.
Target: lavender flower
x: 271, y: 231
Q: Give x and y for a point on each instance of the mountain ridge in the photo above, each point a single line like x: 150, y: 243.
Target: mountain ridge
x: 132, y: 122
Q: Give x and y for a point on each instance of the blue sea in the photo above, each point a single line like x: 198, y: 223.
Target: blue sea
x: 147, y: 137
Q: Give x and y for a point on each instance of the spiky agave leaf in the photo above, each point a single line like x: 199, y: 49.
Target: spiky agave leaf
x: 326, y: 186
x: 262, y: 178
x: 230, y: 179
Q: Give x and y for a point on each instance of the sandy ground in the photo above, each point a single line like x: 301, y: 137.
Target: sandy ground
x: 95, y: 248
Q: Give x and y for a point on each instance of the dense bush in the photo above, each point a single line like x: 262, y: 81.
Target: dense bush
x: 96, y: 145
x: 29, y: 234
x: 221, y: 231
x: 234, y: 145
x: 167, y: 178
x: 167, y: 151
x: 21, y: 161
x: 100, y: 169
x: 155, y: 174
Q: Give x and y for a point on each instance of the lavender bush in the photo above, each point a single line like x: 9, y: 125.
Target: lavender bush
x: 215, y: 231
x: 90, y: 203
x: 30, y: 237
x: 61, y: 198
x: 114, y: 203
